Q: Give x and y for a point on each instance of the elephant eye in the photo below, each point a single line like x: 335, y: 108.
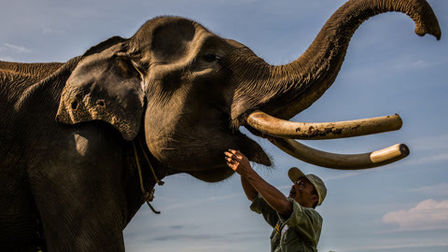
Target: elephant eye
x: 210, y: 57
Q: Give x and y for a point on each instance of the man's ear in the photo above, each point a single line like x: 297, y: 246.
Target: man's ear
x: 315, y: 199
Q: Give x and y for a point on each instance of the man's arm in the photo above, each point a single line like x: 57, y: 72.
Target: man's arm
x: 239, y: 163
x: 250, y: 192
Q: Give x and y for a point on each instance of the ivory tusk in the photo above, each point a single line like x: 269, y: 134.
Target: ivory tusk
x: 327, y: 130
x: 341, y: 161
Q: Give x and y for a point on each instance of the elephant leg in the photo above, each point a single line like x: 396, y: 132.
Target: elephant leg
x: 78, y: 189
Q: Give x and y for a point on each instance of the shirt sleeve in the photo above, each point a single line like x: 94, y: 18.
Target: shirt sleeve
x: 305, y: 221
x: 260, y: 206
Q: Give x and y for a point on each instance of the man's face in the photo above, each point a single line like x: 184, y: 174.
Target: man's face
x: 303, y: 192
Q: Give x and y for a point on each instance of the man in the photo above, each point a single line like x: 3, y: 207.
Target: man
x: 296, y: 224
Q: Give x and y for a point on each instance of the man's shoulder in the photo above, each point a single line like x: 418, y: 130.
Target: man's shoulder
x: 308, y: 211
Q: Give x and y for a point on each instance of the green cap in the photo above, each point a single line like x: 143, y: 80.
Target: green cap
x: 294, y: 174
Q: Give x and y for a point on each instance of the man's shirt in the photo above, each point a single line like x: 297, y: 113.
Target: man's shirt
x: 299, y: 232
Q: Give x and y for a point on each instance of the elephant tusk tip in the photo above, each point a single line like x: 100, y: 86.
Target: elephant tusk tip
x: 404, y: 149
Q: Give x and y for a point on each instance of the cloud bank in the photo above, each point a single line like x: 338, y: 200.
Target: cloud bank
x: 438, y: 189
x: 426, y: 215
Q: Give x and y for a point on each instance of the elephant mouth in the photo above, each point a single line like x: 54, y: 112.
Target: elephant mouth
x: 283, y: 132
x: 212, y: 175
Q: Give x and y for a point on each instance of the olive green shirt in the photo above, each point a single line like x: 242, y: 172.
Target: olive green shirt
x: 299, y: 232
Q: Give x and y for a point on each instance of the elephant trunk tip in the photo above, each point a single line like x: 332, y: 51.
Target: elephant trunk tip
x: 426, y: 21
x: 433, y: 30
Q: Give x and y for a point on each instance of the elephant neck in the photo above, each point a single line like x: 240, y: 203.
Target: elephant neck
x: 146, y: 174
x: 49, y: 87
x: 144, y: 160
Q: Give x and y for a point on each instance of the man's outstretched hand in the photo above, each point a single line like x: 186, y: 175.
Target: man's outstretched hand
x: 253, y: 183
x: 237, y: 161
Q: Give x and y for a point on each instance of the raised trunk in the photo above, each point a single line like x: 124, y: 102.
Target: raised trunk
x: 293, y: 87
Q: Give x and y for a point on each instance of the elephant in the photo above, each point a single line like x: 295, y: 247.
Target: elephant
x: 83, y: 143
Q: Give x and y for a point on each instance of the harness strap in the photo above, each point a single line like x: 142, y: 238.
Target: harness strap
x: 147, y: 196
x: 159, y: 182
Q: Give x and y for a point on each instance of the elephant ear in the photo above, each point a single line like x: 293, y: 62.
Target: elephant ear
x: 107, y: 86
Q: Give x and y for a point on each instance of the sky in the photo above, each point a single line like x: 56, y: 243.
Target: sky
x: 388, y: 69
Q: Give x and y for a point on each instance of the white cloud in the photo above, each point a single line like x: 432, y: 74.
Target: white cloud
x: 50, y: 30
x: 428, y: 159
x: 343, y: 175
x: 17, y: 48
x: 428, y: 150
x: 437, y: 189
x: 7, y: 58
x: 427, y: 215
x: 410, y: 64
x: 397, y: 244
x: 431, y: 143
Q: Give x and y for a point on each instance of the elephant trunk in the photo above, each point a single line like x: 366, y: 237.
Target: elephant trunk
x: 288, y: 89
x: 284, y: 91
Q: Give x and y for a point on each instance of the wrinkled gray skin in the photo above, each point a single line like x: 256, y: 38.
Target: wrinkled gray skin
x: 67, y: 129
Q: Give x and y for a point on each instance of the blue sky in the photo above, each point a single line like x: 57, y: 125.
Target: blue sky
x: 388, y: 69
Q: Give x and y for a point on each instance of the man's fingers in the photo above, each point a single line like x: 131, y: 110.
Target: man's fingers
x: 233, y: 156
x: 232, y: 164
x: 237, y: 153
x: 228, y: 154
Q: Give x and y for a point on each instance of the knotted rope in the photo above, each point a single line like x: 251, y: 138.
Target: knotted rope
x: 147, y: 196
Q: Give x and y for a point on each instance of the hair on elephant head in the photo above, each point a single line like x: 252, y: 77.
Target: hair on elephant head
x: 190, y: 90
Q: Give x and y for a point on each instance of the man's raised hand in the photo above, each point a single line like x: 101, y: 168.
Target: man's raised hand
x: 237, y: 161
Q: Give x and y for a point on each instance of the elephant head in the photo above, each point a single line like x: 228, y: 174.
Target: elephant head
x: 190, y: 90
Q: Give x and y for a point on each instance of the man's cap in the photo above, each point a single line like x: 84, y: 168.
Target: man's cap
x: 294, y: 174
